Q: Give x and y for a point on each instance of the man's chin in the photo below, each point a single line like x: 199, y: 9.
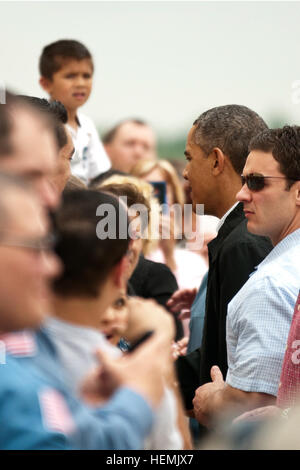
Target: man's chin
x: 252, y: 228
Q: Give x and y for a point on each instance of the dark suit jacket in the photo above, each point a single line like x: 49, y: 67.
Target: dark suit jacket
x: 151, y: 280
x: 233, y: 256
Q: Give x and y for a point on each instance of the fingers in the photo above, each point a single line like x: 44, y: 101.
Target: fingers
x: 186, y: 313
x: 216, y: 375
x: 182, y: 298
x: 147, y: 315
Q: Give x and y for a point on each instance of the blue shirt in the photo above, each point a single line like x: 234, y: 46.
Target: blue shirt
x: 197, y: 316
x: 259, y: 319
x: 38, y: 411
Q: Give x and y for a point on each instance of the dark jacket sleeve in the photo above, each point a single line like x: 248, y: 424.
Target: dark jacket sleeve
x: 229, y: 271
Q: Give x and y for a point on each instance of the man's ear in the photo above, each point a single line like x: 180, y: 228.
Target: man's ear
x: 298, y: 193
x: 45, y: 84
x: 119, y: 273
x: 218, y: 161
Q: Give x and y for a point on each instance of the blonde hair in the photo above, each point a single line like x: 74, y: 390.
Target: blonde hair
x: 148, y: 192
x: 145, y: 166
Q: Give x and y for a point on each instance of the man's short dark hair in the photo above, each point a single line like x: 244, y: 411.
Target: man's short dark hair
x: 87, y: 259
x: 284, y: 144
x: 56, y: 53
x: 109, y: 136
x: 230, y: 128
x: 55, y: 110
x: 99, y: 179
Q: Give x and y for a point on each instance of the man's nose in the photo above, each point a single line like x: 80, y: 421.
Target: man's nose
x: 52, y: 265
x: 185, y: 174
x: 244, y: 194
x: 48, y: 194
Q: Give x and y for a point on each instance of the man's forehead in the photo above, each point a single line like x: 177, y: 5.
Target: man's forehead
x: 191, y: 136
x: 261, y: 162
x: 33, y: 141
x: 26, y: 213
x: 133, y: 129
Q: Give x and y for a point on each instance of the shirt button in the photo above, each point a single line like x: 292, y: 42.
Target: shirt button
x: 279, y: 385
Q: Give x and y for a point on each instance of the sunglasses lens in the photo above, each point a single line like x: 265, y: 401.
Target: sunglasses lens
x: 254, y: 183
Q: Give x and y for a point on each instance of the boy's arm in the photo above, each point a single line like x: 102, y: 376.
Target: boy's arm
x: 97, y: 157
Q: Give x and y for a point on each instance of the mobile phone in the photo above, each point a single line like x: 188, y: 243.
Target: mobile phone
x: 140, y: 340
x: 160, y: 191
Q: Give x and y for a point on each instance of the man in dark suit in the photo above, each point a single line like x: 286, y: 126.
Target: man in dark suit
x: 216, y: 151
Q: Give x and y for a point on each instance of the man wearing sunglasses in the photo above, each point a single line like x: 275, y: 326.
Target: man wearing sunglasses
x: 259, y: 316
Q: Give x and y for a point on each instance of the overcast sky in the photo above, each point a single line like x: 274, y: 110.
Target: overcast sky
x: 165, y: 62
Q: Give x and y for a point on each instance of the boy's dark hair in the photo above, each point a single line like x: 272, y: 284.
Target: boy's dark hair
x: 87, y: 259
x: 55, y: 53
x: 109, y: 136
x: 284, y: 143
x: 56, y: 111
x: 230, y: 128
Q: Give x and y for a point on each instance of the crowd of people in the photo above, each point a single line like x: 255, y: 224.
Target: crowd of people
x: 128, y: 319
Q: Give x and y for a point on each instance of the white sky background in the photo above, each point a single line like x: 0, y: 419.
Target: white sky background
x: 165, y: 62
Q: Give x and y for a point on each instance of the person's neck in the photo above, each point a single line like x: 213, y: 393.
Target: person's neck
x: 226, y: 199
x: 79, y: 311
x: 224, y: 207
x: 72, y: 118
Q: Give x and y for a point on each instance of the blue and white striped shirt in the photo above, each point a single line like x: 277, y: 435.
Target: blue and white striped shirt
x: 259, y: 319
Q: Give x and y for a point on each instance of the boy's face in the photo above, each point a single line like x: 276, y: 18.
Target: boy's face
x: 114, y: 320
x: 71, y: 84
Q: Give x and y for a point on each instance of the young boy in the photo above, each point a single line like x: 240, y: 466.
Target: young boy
x: 66, y: 69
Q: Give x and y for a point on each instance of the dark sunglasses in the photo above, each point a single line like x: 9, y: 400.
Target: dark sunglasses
x: 257, y: 182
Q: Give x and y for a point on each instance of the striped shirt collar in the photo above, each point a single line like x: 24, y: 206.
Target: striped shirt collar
x: 290, y: 241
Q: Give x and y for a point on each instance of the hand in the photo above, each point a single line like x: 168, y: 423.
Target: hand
x: 180, y: 347
x: 203, y: 400
x: 145, y: 315
x: 141, y: 370
x: 257, y: 414
x: 182, y: 299
x: 98, y: 386
x: 167, y: 241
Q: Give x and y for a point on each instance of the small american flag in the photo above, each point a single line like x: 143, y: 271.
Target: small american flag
x: 55, y: 412
x: 19, y: 344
